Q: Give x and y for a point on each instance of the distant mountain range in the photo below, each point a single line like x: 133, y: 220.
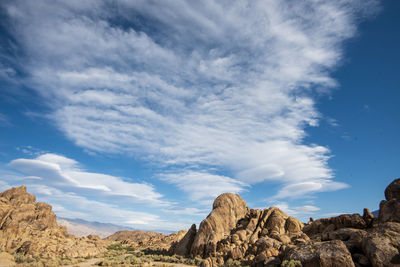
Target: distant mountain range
x: 79, y: 227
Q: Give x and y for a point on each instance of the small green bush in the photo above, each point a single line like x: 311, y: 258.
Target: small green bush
x: 232, y: 263
x: 291, y: 263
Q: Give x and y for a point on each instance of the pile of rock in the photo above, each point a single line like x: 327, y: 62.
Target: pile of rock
x: 269, y: 237
x: 30, y: 228
x: 146, y: 239
x: 233, y: 231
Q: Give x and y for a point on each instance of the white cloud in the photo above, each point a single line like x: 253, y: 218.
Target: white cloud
x: 302, y: 189
x: 62, y: 172
x: 298, y: 210
x: 188, y: 211
x: 203, y: 187
x: 216, y: 85
x: 70, y: 205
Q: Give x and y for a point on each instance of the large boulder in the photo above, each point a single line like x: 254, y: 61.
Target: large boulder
x: 392, y: 191
x: 330, y: 224
x: 325, y: 254
x: 227, y: 210
x: 382, y: 244
x: 351, y: 237
x: 183, y: 246
x: 389, y: 209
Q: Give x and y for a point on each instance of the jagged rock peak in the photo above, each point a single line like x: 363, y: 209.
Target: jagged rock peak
x: 18, y: 195
x: 235, y: 231
x: 30, y: 228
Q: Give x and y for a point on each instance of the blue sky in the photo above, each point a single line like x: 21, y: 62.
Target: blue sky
x: 141, y: 113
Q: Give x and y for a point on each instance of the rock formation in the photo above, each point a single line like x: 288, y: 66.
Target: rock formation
x: 270, y: 237
x: 234, y: 231
x: 30, y: 228
x: 182, y: 247
x: 330, y: 253
x: 6, y: 260
x: 147, y: 239
x: 227, y: 210
x: 389, y: 209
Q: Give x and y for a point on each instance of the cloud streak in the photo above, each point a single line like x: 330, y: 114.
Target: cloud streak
x: 62, y: 172
x: 216, y: 87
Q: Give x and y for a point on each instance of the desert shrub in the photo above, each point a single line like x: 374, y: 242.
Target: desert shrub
x: 232, y: 263
x: 291, y: 263
x: 115, y: 246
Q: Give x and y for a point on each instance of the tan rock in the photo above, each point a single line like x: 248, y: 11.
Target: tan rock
x: 293, y: 225
x: 324, y: 254
x: 147, y: 239
x: 389, y: 211
x: 382, y: 244
x: 29, y: 227
x: 352, y: 238
x: 6, y: 260
x: 228, y: 209
x: 183, y: 246
x: 276, y: 222
x: 368, y: 217
x: 334, y: 223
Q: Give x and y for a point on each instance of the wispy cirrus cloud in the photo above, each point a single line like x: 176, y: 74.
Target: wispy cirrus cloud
x: 221, y: 86
x: 67, y: 174
x: 297, y: 210
x: 202, y: 187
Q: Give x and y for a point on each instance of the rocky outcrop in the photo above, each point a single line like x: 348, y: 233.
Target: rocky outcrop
x: 227, y: 210
x: 331, y: 253
x: 270, y: 237
x: 334, y: 223
x: 392, y: 191
x: 233, y: 231
x: 30, y: 228
x: 136, y: 236
x: 382, y: 245
x: 389, y: 209
x: 147, y: 239
x: 183, y: 246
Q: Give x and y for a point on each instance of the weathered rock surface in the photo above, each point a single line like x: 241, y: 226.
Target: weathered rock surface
x: 392, y: 191
x: 6, y: 260
x: 182, y: 247
x: 325, y: 254
x: 334, y: 223
x: 227, y: 210
x: 382, y: 245
x: 30, y: 228
x: 389, y: 209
